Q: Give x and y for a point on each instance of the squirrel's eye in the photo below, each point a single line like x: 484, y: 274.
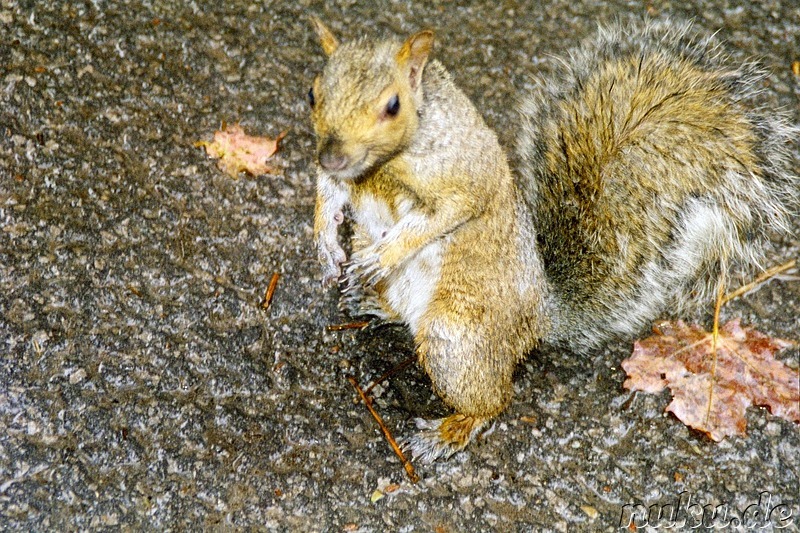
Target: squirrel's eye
x: 393, y: 106
x: 311, y: 99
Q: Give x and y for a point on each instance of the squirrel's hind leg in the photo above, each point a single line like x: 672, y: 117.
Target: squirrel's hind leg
x: 467, y: 370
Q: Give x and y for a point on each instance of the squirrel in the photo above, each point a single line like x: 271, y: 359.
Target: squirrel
x: 649, y: 171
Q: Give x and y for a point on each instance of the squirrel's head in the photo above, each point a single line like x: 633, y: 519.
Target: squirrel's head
x: 364, y: 104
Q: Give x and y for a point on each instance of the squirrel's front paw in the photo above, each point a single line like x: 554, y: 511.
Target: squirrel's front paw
x: 364, y: 269
x: 331, y: 258
x: 443, y: 437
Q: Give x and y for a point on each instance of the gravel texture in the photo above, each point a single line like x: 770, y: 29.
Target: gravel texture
x: 142, y: 387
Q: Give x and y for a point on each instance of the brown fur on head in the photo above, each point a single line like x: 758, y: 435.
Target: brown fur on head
x: 364, y: 102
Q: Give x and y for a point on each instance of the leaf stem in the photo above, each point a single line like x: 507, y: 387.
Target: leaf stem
x: 714, y: 339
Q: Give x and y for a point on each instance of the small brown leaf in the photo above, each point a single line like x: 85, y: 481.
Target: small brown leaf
x: 238, y: 152
x: 713, y: 397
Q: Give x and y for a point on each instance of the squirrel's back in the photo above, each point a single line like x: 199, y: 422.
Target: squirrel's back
x: 651, y: 170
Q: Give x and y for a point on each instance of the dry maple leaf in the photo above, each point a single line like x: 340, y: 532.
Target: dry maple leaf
x: 708, y: 395
x: 238, y: 152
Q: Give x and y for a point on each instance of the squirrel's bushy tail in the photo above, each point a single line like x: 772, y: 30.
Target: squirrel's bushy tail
x: 653, y: 166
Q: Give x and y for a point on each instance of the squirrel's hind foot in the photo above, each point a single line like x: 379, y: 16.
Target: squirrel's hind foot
x: 443, y: 437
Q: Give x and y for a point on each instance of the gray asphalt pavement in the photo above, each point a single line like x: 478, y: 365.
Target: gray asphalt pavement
x: 142, y: 386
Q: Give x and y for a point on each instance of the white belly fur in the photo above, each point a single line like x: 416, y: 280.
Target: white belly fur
x: 410, y: 289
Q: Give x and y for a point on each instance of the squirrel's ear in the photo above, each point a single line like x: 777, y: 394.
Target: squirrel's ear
x: 414, y: 54
x: 326, y: 37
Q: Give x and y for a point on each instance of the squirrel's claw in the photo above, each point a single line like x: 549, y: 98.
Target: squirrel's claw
x: 440, y: 439
x: 364, y: 268
x: 358, y: 301
x: 330, y: 276
x: 346, y: 284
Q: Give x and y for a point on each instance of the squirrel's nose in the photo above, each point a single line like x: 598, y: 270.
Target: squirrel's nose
x: 331, y: 156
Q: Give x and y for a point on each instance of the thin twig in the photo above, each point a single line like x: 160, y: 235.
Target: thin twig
x: 770, y: 272
x: 270, y: 291
x: 393, y: 443
x: 394, y: 370
x: 349, y: 325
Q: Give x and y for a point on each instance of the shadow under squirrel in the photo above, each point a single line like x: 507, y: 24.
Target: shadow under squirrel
x: 649, y: 171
